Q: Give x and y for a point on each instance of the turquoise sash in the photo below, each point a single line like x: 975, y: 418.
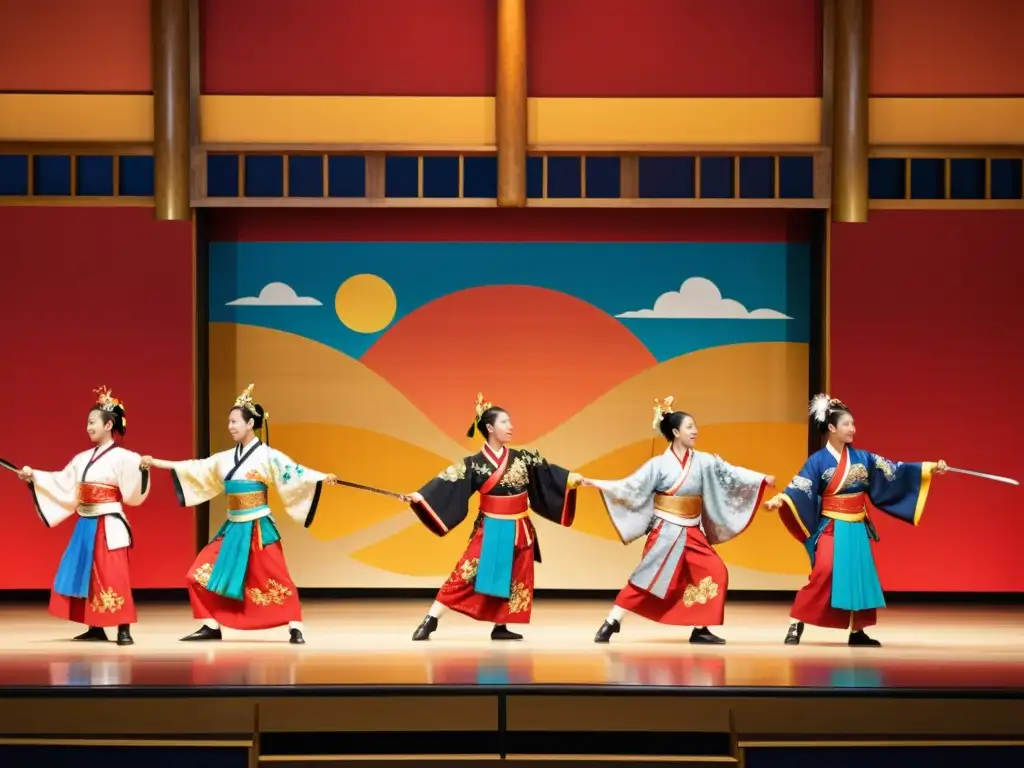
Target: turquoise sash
x: 228, y: 576
x: 75, y: 569
x: 855, y: 585
x: 494, y: 573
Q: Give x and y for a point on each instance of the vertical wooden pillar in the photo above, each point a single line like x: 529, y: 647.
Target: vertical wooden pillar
x: 510, y: 103
x: 171, y: 96
x: 850, y: 111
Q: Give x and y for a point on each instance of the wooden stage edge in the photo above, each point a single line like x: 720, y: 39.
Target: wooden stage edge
x: 945, y: 675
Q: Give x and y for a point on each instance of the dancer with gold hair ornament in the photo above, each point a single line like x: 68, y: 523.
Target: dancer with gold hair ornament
x: 493, y: 580
x: 240, y: 580
x: 93, y: 584
x: 825, y: 508
x: 685, y: 501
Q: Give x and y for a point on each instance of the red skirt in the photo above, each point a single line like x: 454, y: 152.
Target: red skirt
x: 458, y: 594
x: 696, y: 593
x: 271, y: 598
x: 813, y: 603
x: 110, y: 601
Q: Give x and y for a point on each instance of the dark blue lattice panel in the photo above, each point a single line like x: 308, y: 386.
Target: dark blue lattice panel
x: 887, y: 178
x: 346, y: 176
x: 796, y: 177
x: 305, y: 176
x: 1006, y: 179
x: 757, y: 177
x: 14, y: 175
x: 401, y: 176
x: 264, y: 176
x: 667, y: 177
x: 135, y: 174
x: 52, y: 174
x: 480, y: 176
x: 441, y: 177
x: 716, y: 177
x: 534, y: 177
x: 94, y: 175
x: 565, y: 176
x: 222, y: 175
x: 967, y: 179
x: 604, y: 177
x: 927, y: 179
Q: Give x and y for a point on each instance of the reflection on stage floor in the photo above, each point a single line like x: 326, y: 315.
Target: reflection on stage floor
x: 367, y: 643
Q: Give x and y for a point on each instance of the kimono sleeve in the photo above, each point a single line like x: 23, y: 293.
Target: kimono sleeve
x: 732, y: 497
x: 899, y: 489
x: 552, y: 495
x: 801, y: 502
x: 133, y: 481
x: 55, y: 494
x: 630, y: 501
x: 197, y: 481
x: 299, y: 487
x: 445, y: 498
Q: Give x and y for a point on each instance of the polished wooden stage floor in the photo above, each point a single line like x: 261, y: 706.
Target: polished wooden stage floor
x: 366, y: 643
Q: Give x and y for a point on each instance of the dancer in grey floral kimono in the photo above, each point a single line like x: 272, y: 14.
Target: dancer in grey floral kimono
x: 685, y: 501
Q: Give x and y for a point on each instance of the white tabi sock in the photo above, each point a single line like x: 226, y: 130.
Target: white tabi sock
x: 616, y: 614
x: 436, y: 610
x: 295, y: 625
x: 211, y: 624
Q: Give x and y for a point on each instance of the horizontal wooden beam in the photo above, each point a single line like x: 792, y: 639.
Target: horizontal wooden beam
x: 910, y: 204
x: 46, y: 148
x: 956, y: 152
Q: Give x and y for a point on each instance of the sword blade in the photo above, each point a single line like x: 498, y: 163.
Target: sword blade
x: 371, y: 489
x: 9, y: 465
x: 984, y: 475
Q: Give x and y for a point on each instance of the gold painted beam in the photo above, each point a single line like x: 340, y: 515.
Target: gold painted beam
x: 850, y: 111
x: 171, y: 96
x: 510, y: 103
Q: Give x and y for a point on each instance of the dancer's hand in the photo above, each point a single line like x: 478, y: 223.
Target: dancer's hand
x: 415, y: 497
x: 941, y: 467
x: 145, y: 462
x: 330, y: 479
x: 26, y: 474
x: 774, y: 503
x: 770, y: 481
x: 575, y: 480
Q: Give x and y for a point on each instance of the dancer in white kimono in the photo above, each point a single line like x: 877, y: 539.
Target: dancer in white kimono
x: 93, y: 584
x: 685, y: 501
x: 240, y: 579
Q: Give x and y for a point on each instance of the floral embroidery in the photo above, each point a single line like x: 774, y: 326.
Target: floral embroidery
x: 531, y: 456
x: 276, y: 594
x: 802, y: 484
x: 516, y: 475
x: 886, y: 467
x: 857, y: 475
x: 107, y: 601
x: 453, y: 473
x: 700, y: 593
x: 202, y: 574
x: 519, y: 602
x: 482, y: 469
x: 288, y: 471
x: 463, y: 573
x: 255, y: 474
x: 468, y: 569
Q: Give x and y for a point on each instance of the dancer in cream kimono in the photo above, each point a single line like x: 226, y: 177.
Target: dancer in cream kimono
x: 240, y: 579
x: 93, y: 584
x: 685, y: 501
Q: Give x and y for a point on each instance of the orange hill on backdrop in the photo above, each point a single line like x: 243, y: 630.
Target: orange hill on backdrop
x: 542, y: 354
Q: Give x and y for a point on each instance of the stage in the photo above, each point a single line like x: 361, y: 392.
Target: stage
x: 953, y: 672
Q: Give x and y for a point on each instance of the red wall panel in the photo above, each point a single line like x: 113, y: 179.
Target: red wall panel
x: 87, y: 46
x: 727, y: 48
x: 349, y: 47
x: 927, y: 350
x: 947, y: 48
x: 95, y: 296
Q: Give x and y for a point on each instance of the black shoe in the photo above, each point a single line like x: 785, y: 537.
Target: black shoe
x: 704, y: 636
x: 204, y: 633
x: 609, y: 628
x: 93, y: 635
x: 860, y: 639
x: 501, y: 632
x: 425, y: 629
x: 796, y: 631
x: 124, y: 635
x: 295, y: 637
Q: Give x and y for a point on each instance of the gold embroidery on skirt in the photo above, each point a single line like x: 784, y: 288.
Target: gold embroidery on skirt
x: 700, y: 593
x: 202, y: 574
x: 520, y: 599
x: 467, y: 570
x: 276, y: 594
x: 107, y: 601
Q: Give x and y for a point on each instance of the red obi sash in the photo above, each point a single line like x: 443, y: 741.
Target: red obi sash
x: 510, y: 507
x: 94, y: 493
x: 849, y: 503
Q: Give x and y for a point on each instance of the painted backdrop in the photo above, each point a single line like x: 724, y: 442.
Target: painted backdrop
x: 368, y: 357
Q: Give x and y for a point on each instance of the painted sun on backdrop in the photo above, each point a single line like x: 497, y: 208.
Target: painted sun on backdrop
x: 365, y: 303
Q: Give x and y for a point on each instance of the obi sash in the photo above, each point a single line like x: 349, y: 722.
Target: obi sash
x: 75, y: 570
x: 681, y: 510
x: 848, y: 507
x: 247, y: 510
x: 497, y: 551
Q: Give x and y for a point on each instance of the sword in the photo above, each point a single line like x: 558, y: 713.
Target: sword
x: 371, y: 489
x: 984, y: 475
x: 8, y: 465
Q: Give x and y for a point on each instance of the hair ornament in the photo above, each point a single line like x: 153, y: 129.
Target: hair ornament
x: 107, y: 402
x: 661, y: 409
x: 481, y: 406
x: 246, y: 403
x: 822, y: 404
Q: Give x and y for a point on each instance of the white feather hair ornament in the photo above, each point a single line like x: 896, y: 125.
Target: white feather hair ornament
x: 819, y: 407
